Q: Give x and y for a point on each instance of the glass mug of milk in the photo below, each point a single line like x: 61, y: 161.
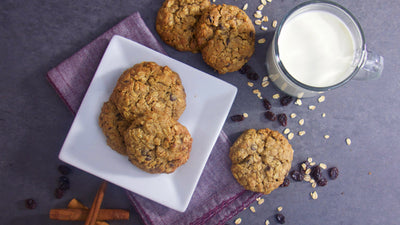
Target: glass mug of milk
x: 319, y: 46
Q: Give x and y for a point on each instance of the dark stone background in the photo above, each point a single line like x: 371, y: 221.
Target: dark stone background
x: 36, y: 36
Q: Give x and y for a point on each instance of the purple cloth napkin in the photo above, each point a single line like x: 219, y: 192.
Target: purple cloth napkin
x: 217, y: 198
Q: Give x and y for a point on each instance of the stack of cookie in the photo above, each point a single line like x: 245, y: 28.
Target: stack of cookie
x: 140, y: 118
x: 224, y: 34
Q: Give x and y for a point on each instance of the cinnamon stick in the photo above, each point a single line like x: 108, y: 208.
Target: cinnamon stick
x: 82, y: 214
x: 94, y: 210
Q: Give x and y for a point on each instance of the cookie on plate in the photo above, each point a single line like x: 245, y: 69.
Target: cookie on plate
x: 148, y: 86
x: 113, y: 126
x: 226, y: 37
x: 176, y: 20
x: 156, y: 143
x: 261, y: 159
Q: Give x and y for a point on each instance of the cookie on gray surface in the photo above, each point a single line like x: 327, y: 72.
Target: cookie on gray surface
x: 176, y: 20
x: 261, y: 159
x: 226, y: 37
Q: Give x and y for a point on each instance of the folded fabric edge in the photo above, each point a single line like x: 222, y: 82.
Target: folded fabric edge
x: 60, y: 95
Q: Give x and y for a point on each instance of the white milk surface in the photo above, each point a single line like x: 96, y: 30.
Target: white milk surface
x: 316, y: 48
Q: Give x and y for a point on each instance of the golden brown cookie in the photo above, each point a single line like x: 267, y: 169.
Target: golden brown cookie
x: 226, y: 37
x: 149, y: 87
x: 113, y: 126
x: 156, y: 143
x: 261, y: 159
x: 176, y: 20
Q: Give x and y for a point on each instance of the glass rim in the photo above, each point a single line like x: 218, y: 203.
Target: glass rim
x: 282, y: 67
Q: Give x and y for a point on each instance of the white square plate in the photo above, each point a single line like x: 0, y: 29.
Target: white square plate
x: 208, y: 103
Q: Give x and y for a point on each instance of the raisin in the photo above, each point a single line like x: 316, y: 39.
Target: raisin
x: 333, y: 173
x: 270, y: 115
x: 64, y: 170
x: 286, y: 100
x: 316, y: 173
x: 237, y: 118
x: 267, y: 104
x: 252, y: 75
x: 59, y: 193
x: 282, y: 118
x: 30, y: 203
x: 280, y: 218
x: 296, y: 175
x: 244, y: 69
x: 322, y: 182
x: 285, y: 183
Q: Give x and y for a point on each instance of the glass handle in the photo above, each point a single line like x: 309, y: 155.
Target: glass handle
x: 372, y: 68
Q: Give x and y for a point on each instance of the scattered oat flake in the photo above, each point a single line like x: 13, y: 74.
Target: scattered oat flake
x: 309, y: 159
x: 348, y: 141
x: 250, y: 84
x: 314, y: 185
x: 301, y: 133
x: 280, y: 208
x: 307, y: 177
x: 260, y: 201
x: 265, y: 83
x: 308, y: 171
x: 314, y: 195
x: 258, y: 22
x: 290, y: 136
x: 293, y: 115
x: 245, y: 6
x: 312, y: 163
x: 321, y: 99
x: 252, y: 209
x: 369, y: 173
x: 286, y: 131
x: 301, y: 122
x: 275, y: 96
x: 304, y: 166
x: 263, y: 2
x: 323, y: 114
x: 245, y: 115
x: 269, y: 0
x: 258, y: 14
x: 267, y: 222
x: 326, y: 136
x: 238, y: 220
x: 274, y: 23
x: 264, y: 28
x: 311, y: 107
x: 260, y: 7
x: 261, y: 41
x: 298, y: 102
x: 256, y: 91
x: 265, y: 19
x: 323, y: 166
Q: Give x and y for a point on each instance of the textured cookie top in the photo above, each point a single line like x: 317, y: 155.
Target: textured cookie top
x: 156, y: 143
x: 149, y: 87
x: 261, y: 159
x: 226, y: 37
x: 113, y: 126
x: 176, y: 20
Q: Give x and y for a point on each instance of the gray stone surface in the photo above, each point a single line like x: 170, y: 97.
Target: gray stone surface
x: 35, y: 36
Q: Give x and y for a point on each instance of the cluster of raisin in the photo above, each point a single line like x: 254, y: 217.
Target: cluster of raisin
x: 282, y: 118
x: 63, y: 181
